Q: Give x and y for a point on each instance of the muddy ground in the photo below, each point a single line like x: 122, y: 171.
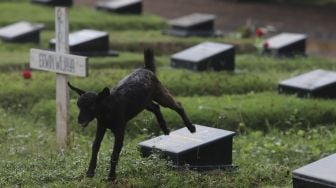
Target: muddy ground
x: 319, y: 22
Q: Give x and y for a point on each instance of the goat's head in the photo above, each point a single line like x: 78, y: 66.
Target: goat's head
x: 88, y: 104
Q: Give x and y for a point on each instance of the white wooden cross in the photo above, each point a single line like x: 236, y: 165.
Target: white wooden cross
x: 63, y: 64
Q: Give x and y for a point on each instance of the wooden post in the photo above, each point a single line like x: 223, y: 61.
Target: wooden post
x: 63, y: 64
x: 62, y: 91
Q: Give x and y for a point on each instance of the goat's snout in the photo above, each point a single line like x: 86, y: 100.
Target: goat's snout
x: 82, y: 122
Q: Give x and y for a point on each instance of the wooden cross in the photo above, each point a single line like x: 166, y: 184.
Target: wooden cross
x: 63, y: 64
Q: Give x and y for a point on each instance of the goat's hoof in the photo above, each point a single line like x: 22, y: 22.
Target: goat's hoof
x: 192, y: 129
x: 90, y: 174
x: 111, y: 179
x: 166, y: 132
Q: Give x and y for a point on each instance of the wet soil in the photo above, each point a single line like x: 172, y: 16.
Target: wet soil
x: 319, y: 22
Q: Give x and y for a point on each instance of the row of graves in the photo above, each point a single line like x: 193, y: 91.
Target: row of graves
x: 208, y: 148
x: 86, y: 42
x: 113, y: 6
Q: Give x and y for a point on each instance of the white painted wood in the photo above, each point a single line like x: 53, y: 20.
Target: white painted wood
x: 58, y: 62
x: 63, y: 64
x: 62, y: 91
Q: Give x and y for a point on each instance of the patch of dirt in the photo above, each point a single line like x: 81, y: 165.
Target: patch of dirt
x: 317, y: 21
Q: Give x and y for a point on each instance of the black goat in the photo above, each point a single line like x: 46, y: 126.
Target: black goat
x: 114, y: 108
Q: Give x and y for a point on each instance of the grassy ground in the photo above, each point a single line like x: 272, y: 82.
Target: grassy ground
x: 276, y: 133
x: 80, y: 17
x: 300, y: 2
x: 29, y: 159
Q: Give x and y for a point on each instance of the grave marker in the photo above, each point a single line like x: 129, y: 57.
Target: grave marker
x: 21, y: 32
x: 88, y: 42
x: 196, y: 24
x: 121, y: 6
x: 218, y: 56
x: 319, y: 174
x: 317, y: 83
x: 207, y: 148
x: 63, y: 64
x: 66, y: 3
x: 58, y: 62
x: 286, y: 44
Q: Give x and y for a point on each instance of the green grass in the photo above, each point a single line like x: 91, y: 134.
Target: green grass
x: 127, y: 32
x: 133, y: 40
x: 80, y: 17
x: 29, y: 158
x: 242, y: 113
x: 179, y: 82
x: 245, y: 101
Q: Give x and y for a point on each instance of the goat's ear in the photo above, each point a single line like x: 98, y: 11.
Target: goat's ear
x: 104, y: 93
x: 79, y: 91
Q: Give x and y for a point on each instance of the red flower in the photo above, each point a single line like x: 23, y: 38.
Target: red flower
x: 266, y: 45
x: 26, y: 74
x: 259, y: 32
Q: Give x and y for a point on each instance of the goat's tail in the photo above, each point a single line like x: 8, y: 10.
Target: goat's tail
x: 149, y: 60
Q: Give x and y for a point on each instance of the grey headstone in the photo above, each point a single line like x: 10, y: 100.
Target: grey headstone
x: 65, y: 3
x: 207, y: 148
x: 317, y: 83
x: 197, y: 24
x: 218, y: 56
x: 21, y: 32
x: 121, y: 6
x: 87, y: 42
x: 319, y: 174
x: 286, y: 44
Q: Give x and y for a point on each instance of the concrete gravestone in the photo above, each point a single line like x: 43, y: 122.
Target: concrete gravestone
x: 88, y: 42
x: 319, y: 174
x: 196, y: 24
x: 21, y: 32
x: 218, y: 56
x: 121, y: 6
x: 286, y: 44
x: 66, y: 3
x: 208, y: 148
x: 317, y: 83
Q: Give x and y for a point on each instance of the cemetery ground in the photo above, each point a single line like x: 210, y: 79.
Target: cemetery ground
x: 276, y: 133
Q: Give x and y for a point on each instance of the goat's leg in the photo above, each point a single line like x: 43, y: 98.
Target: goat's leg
x: 118, y: 144
x: 164, y: 98
x: 155, y: 108
x: 95, y: 149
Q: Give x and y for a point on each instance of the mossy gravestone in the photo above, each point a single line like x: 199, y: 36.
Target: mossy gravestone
x: 207, y: 148
x: 121, y: 6
x: 286, y: 45
x: 197, y: 24
x: 207, y: 55
x: 88, y: 42
x: 319, y: 174
x: 317, y: 83
x: 21, y: 32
